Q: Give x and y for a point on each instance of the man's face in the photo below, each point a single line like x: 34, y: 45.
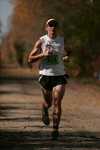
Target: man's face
x: 51, y: 30
x: 52, y: 27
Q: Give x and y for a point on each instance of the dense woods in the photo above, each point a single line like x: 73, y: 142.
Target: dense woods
x: 79, y: 21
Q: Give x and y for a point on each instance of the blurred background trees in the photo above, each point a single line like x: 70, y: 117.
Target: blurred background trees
x: 80, y: 21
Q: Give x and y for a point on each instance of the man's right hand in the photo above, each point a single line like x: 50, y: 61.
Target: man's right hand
x: 47, y: 52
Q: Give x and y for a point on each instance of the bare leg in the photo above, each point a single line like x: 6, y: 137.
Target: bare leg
x: 45, y: 106
x: 47, y: 95
x: 58, y: 93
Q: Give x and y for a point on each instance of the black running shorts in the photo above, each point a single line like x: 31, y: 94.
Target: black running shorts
x: 48, y: 82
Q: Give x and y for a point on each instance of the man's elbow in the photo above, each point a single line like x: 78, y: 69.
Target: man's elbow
x: 29, y: 59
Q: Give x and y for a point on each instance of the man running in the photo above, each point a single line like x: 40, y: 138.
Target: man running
x: 50, y: 50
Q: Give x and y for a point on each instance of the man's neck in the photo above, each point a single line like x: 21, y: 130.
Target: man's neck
x: 52, y: 36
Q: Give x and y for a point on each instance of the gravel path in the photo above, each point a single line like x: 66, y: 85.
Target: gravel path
x: 20, y: 117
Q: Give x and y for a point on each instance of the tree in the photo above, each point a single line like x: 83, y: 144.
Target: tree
x: 23, y: 26
x: 80, y: 21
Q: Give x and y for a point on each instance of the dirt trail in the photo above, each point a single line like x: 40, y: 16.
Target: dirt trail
x: 20, y: 117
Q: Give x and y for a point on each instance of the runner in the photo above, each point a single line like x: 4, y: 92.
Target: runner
x: 50, y: 50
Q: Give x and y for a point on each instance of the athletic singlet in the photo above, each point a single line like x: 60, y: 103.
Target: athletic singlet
x: 52, y: 65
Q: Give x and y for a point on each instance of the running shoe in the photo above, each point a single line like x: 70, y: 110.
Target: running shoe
x: 55, y: 134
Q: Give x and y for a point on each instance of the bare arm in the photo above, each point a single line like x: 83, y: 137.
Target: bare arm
x: 36, y: 53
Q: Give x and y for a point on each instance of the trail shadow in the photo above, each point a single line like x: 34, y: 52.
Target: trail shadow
x: 9, y: 79
x: 42, y: 139
x: 21, y: 80
x: 7, y: 110
x: 39, y: 140
x: 34, y: 140
x: 28, y: 86
x: 10, y: 92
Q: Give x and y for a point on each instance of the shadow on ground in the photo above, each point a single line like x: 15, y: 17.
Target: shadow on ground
x: 25, y: 86
x: 39, y: 140
x: 17, y: 112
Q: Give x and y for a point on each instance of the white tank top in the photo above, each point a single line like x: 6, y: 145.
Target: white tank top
x: 52, y: 65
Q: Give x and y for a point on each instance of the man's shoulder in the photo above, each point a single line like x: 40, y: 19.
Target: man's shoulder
x: 43, y: 37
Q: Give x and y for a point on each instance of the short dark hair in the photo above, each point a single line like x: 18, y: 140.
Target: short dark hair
x: 52, y: 22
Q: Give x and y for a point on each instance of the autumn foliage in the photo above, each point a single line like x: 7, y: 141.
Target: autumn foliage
x: 79, y: 21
